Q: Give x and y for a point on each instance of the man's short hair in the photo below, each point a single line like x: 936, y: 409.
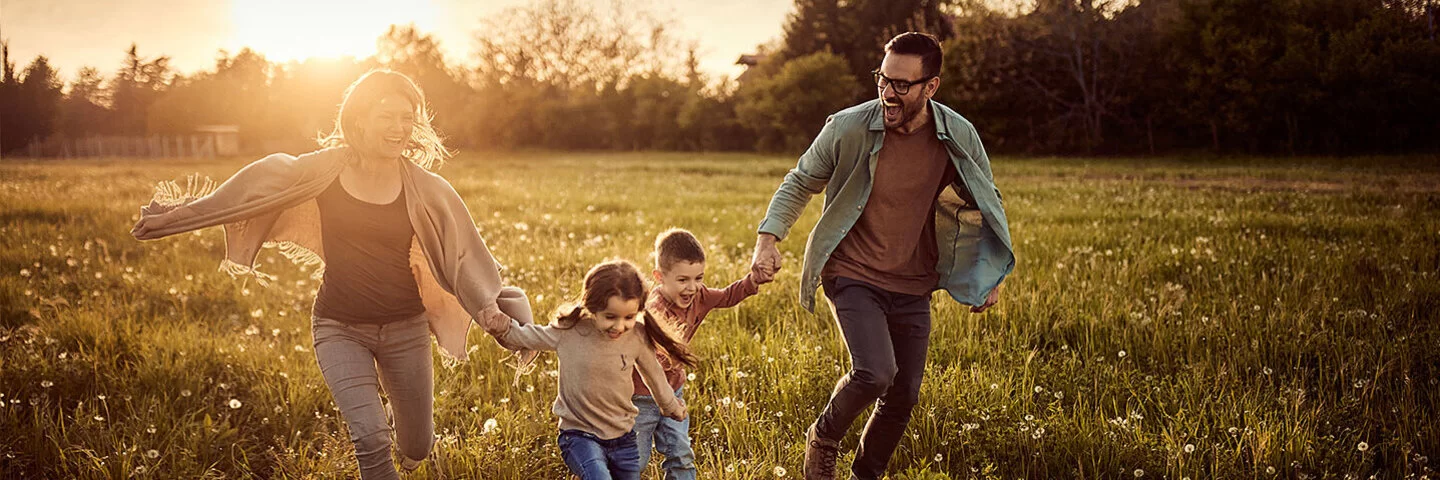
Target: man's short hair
x: 677, y: 245
x: 924, y: 45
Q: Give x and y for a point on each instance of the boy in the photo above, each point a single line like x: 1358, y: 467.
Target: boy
x: 681, y: 299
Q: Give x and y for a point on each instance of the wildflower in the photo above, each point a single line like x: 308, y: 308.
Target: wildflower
x: 151, y: 430
x: 779, y: 471
x: 1139, y: 473
x: 1362, y: 446
x: 490, y: 426
x: 46, y: 383
x: 1122, y: 355
x: 1189, y: 448
x: 1270, y: 470
x: 939, y: 458
x: 234, y: 403
x: 152, y: 454
x: 99, y: 418
x: 25, y: 272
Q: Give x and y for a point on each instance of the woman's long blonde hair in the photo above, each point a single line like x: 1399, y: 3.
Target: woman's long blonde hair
x: 425, y: 147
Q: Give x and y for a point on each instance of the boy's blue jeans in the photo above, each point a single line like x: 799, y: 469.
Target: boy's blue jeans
x: 671, y: 438
x: 595, y: 459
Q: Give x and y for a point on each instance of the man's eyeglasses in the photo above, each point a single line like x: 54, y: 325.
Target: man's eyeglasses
x: 901, y: 87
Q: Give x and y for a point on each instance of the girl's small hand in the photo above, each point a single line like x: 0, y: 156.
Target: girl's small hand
x: 495, y: 322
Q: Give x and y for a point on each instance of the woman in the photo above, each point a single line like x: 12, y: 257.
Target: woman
x: 399, y: 249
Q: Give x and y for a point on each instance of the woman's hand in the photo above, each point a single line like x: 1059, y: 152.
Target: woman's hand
x: 145, y: 228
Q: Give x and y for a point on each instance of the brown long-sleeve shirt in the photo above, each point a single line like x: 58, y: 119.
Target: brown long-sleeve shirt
x: 892, y: 244
x: 687, y: 320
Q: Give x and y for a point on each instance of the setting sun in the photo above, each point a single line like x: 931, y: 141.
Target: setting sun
x: 287, y: 30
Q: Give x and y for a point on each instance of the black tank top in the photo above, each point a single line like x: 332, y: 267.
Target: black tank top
x: 367, y: 260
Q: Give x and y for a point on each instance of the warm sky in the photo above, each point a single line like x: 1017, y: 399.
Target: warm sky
x: 76, y: 33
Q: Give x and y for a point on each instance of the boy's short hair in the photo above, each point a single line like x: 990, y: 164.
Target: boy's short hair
x: 677, y: 245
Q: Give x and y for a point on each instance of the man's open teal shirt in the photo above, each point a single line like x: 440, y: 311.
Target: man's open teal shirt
x: 975, y: 250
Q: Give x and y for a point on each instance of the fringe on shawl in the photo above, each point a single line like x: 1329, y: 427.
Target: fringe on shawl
x: 171, y: 194
x: 301, y: 256
x: 523, y: 361
x: 292, y: 251
x: 235, y: 270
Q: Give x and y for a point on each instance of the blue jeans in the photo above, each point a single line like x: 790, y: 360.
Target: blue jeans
x: 671, y: 438
x: 592, y: 458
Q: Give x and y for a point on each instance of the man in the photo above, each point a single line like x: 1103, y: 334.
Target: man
x: 882, y: 246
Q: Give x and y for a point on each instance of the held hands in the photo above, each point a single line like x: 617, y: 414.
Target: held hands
x: 765, y: 263
x: 682, y: 414
x: 495, y: 322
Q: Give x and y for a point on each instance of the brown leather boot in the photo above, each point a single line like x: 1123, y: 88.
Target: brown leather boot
x: 820, y: 456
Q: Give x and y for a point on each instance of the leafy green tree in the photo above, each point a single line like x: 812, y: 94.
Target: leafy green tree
x: 788, y: 109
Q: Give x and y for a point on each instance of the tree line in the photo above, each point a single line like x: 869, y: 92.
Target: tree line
x: 1049, y: 77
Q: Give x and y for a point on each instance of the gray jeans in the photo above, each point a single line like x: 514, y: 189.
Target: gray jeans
x: 358, y: 360
x: 887, y: 334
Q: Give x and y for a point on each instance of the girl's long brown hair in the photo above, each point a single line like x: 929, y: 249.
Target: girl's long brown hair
x: 620, y: 278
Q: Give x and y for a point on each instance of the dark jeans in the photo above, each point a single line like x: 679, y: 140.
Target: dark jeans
x: 887, y: 334
x: 592, y: 458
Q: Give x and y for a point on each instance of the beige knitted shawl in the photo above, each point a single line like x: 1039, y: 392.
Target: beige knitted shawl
x: 271, y: 203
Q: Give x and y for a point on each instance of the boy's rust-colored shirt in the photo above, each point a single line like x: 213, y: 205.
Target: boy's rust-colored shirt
x: 686, y: 321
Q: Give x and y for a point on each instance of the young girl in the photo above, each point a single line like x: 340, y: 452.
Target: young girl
x: 599, y: 348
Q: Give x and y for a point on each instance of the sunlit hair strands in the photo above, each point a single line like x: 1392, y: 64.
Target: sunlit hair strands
x: 620, y: 278
x: 425, y: 147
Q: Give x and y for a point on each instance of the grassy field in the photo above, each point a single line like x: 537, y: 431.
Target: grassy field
x: 1238, y: 318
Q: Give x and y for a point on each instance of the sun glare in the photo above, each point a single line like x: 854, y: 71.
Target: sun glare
x: 285, y: 30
